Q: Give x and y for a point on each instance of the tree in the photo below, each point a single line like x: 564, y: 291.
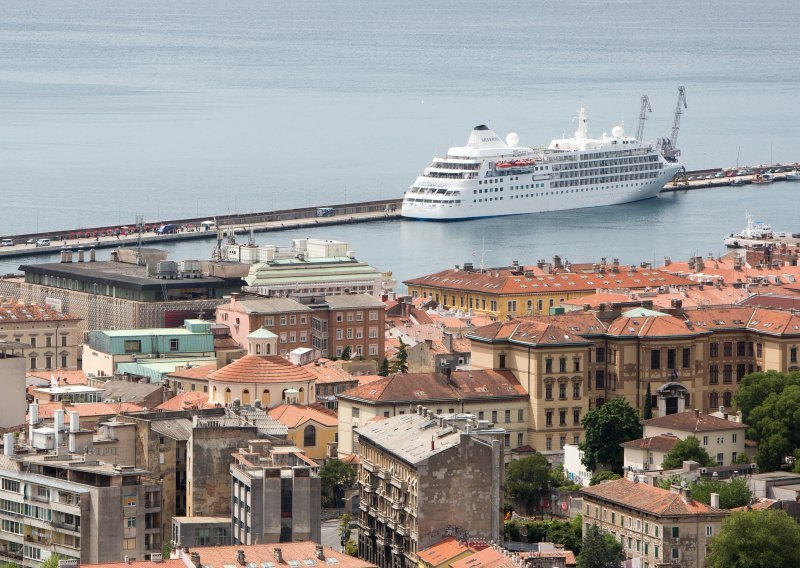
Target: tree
x: 775, y: 424
x: 599, y: 550
x: 756, y: 387
x: 346, y: 353
x: 647, y: 413
x: 688, y: 449
x: 401, y: 359
x: 528, y: 480
x: 51, y: 562
x: 606, y: 428
x: 336, y: 476
x: 733, y: 494
x: 755, y: 539
x: 344, y: 528
x: 559, y: 479
x: 604, y: 476
x: 166, y: 551
x: 384, y: 369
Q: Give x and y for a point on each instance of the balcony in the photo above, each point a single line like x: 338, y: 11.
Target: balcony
x: 399, y: 483
x: 384, y: 474
x: 363, y: 505
x: 398, y: 549
x: 368, y: 465
x: 369, y: 487
x: 402, y: 530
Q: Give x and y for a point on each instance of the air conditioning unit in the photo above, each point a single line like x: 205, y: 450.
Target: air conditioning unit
x: 752, y: 466
x: 703, y: 470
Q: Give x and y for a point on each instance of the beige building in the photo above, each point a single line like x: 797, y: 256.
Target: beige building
x: 415, y: 472
x: 659, y: 527
x: 495, y: 397
x: 271, y: 380
x: 53, y: 336
x: 12, y: 377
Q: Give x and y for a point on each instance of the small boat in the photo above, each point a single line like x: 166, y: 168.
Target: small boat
x: 739, y: 181
x: 755, y: 230
x: 763, y: 178
x: 793, y: 175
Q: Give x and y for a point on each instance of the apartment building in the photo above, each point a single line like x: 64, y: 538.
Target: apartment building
x: 12, y: 374
x: 492, y: 396
x: 276, y: 495
x: 658, y: 527
x: 326, y: 324
x: 414, y: 472
x: 52, y: 336
x: 56, y: 502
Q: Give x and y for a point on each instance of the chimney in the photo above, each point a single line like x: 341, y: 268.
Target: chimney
x: 419, y: 410
x: 715, y: 500
x: 320, y: 552
x: 667, y: 261
x: 33, y: 419
x: 195, y: 558
x: 234, y: 297
x: 80, y: 254
x: 697, y: 413
x: 240, y: 557
x: 278, y: 555
x: 8, y: 444
x: 126, y: 559
x: 433, y: 445
x: 92, y: 255
x: 58, y: 425
x: 686, y: 494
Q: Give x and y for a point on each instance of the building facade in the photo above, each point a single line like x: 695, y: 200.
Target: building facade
x: 53, y: 336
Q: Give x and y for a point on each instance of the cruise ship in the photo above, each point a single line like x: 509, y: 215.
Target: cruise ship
x: 489, y: 177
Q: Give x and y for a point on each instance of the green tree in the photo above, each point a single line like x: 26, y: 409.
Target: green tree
x: 756, y: 539
x: 599, y: 550
x: 604, y: 476
x: 384, y: 369
x: 559, y: 479
x: 756, y: 387
x: 567, y: 533
x: 528, y: 480
x: 166, y: 551
x: 668, y: 482
x: 51, y: 562
x: 775, y: 424
x: 401, y: 359
x: 606, y: 428
x: 733, y: 494
x: 647, y: 413
x: 688, y: 449
x: 351, y: 548
x: 346, y: 354
x: 336, y: 476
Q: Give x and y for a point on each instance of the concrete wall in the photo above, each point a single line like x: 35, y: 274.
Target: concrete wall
x: 12, y: 383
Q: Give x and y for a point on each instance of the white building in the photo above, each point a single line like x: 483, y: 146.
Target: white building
x: 573, y: 466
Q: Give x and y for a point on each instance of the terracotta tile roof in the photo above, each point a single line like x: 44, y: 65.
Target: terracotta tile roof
x: 662, y: 325
x: 354, y: 459
x: 420, y: 387
x: 772, y: 301
x: 328, y: 372
x: 89, y: 409
x: 528, y: 331
x: 294, y: 415
x: 656, y: 443
x: 691, y: 421
x: 199, y: 372
x: 368, y: 379
x: 64, y: 377
x: 225, y: 343
x: 502, y: 281
x: 185, y: 401
x: 567, y: 555
x: 759, y: 504
x: 443, y: 551
x: 462, y: 345
x: 255, y: 369
x: 219, y: 556
x: 486, y: 558
x: 647, y: 498
x: 169, y: 563
x: 19, y: 312
x: 723, y: 269
x: 774, y: 322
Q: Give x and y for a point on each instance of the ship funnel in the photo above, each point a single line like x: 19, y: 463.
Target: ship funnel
x: 484, y: 137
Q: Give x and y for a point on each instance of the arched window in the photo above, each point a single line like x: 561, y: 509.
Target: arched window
x: 227, y: 396
x: 258, y: 349
x: 265, y: 397
x: 245, y: 396
x: 309, y: 436
x: 301, y: 397
x: 726, y: 398
x: 713, y: 401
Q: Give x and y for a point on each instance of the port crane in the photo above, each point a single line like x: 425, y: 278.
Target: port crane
x: 642, y: 117
x: 669, y: 146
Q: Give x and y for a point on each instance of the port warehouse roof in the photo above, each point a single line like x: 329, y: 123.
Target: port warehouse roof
x: 130, y: 276
x: 290, y: 271
x: 504, y: 281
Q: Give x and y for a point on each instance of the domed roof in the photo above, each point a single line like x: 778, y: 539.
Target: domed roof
x: 259, y: 369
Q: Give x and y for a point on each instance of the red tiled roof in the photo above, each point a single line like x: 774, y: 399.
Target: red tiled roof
x: 526, y: 330
x: 656, y: 443
x: 502, y: 281
x: 647, y: 498
x: 443, y: 551
x: 89, y: 409
x: 256, y: 369
x: 567, y: 555
x: 651, y: 326
x: 19, y: 312
x: 328, y: 372
x: 420, y: 387
x: 294, y: 415
x: 185, y: 401
x: 199, y: 372
x: 486, y: 558
x: 354, y: 459
x: 691, y: 421
x: 759, y: 504
x: 218, y: 556
x: 64, y: 377
x: 167, y: 563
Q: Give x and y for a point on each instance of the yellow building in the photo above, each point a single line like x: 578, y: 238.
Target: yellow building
x: 518, y: 290
x: 314, y: 429
x: 271, y: 379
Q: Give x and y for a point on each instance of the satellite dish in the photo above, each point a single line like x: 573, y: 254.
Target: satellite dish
x: 512, y: 139
x: 617, y: 132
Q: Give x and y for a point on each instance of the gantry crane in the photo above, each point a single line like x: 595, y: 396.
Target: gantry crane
x: 669, y: 146
x: 642, y: 117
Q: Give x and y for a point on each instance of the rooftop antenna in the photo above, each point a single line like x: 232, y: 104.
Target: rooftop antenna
x: 139, y: 231
x: 483, y: 252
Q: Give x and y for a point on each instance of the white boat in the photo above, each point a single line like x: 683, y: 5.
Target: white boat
x: 763, y: 178
x: 489, y: 177
x: 793, y: 175
x: 754, y: 231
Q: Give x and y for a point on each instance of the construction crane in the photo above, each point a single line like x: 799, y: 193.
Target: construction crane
x: 669, y: 146
x: 642, y: 117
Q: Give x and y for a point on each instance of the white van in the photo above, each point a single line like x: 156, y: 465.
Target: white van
x: 7, y: 243
x: 43, y: 242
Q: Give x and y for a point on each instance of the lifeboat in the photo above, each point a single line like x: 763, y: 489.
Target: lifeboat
x: 511, y: 164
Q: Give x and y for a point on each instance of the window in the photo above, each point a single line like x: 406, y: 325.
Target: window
x: 493, y: 305
x: 705, y: 440
x: 292, y: 319
x: 714, y: 349
x: 670, y: 358
x: 562, y: 365
x: 727, y: 398
x: 562, y: 441
x: 512, y: 306
x: 129, y: 501
x: 356, y: 412
x: 740, y: 372
x: 600, y: 380
x: 733, y: 438
x: 759, y: 349
x: 129, y: 544
x: 727, y: 374
x: 576, y: 390
x: 507, y: 416
x: 520, y: 415
x: 132, y: 346
x: 686, y: 356
x: 709, y: 530
x: 63, y: 341
x: 655, y: 359
x: 562, y: 391
x: 601, y: 354
x: 548, y: 365
x: 174, y: 344
x: 713, y: 400
x: 676, y: 553
x: 310, y: 436
x: 507, y: 440
x: 793, y: 354
x: 727, y: 349
x: 676, y: 533
x: 562, y: 417
x: 576, y: 417
x: 713, y: 374
x: 10, y: 485
x: 741, y: 348
x: 720, y: 458
x: 576, y: 365
x: 283, y: 320
x: 548, y: 391
x: 494, y: 416
x: 33, y: 342
x: 548, y: 444
x: 131, y: 522
x: 548, y: 418
x: 480, y: 415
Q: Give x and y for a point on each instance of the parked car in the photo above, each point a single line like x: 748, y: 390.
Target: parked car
x: 167, y: 229
x: 43, y: 242
x: 6, y: 243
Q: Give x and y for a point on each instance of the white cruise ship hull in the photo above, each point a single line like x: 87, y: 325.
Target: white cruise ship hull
x: 520, y: 202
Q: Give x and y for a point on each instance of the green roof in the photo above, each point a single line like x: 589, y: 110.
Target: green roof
x: 643, y: 313
x: 148, y: 331
x: 262, y: 333
x: 157, y: 369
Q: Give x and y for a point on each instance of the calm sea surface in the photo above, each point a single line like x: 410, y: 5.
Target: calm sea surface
x: 168, y: 109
